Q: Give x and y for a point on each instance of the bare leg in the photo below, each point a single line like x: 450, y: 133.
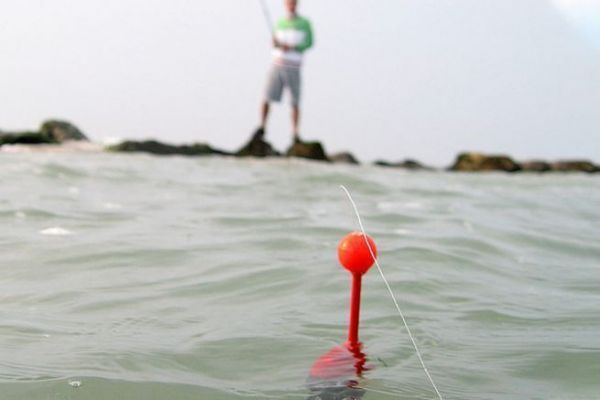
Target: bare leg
x: 296, y: 122
x: 264, y: 114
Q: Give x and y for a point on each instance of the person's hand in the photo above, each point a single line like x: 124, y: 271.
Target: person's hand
x: 278, y: 45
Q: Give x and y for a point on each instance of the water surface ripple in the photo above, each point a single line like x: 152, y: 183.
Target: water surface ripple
x: 179, y: 278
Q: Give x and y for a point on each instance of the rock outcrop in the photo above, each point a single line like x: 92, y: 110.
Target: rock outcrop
x: 409, y: 164
x: 344, y: 158
x: 24, y: 138
x: 536, y: 166
x: 575, y: 166
x: 476, y: 162
x: 257, y: 146
x: 61, y: 131
x: 308, y: 150
x: 164, y: 149
x: 51, y: 132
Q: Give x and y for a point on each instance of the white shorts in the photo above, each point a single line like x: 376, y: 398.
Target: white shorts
x: 281, y: 77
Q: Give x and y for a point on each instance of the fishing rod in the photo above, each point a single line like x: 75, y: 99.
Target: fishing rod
x: 267, y: 15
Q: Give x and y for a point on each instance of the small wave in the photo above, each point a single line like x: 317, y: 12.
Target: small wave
x: 57, y: 170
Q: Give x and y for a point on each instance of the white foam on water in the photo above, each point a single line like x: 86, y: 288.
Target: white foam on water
x: 413, y: 205
x: 75, y: 384
x: 112, y: 206
x: 66, y: 147
x: 56, y: 231
x: 112, y: 141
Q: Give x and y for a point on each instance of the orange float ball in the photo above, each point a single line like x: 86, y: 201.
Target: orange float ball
x: 354, y: 253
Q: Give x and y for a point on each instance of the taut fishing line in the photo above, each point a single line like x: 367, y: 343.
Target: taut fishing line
x: 389, y: 288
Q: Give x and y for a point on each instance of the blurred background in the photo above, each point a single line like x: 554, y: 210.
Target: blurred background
x: 386, y: 79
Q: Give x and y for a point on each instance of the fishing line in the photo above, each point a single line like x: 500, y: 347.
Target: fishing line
x: 389, y: 288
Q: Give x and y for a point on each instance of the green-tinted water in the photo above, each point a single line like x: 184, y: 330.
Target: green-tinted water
x: 175, y: 278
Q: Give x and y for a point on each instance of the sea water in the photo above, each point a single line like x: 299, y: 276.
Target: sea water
x: 141, y: 277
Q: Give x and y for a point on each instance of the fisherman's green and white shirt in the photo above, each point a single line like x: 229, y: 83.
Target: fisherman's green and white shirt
x: 296, y: 33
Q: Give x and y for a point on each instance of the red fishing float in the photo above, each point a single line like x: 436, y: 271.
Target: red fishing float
x: 357, y: 253
x: 335, y: 372
x: 344, y: 364
x: 354, y: 254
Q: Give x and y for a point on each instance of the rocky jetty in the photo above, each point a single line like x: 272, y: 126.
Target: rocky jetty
x: 51, y: 132
x: 409, y: 164
x: 308, y: 150
x: 475, y: 162
x: 344, y: 158
x: 164, y: 149
x: 54, y: 132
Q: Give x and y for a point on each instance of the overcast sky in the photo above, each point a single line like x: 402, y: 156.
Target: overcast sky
x: 387, y: 78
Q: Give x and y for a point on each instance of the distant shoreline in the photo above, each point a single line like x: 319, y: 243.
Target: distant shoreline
x: 62, y: 136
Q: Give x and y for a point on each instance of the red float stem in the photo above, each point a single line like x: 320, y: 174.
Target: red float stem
x: 354, y: 309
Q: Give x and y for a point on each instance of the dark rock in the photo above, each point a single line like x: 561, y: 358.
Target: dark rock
x: 61, y: 131
x: 159, y: 148
x: 309, y: 150
x: 473, y: 162
x: 575, y: 166
x: 536, y: 166
x: 344, y: 158
x: 51, y: 132
x: 406, y: 164
x: 25, y: 138
x: 257, y: 147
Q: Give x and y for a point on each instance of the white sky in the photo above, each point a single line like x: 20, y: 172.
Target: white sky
x: 387, y: 79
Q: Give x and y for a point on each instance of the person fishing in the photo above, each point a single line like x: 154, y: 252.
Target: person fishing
x: 292, y: 36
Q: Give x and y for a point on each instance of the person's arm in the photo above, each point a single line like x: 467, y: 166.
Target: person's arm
x: 308, y: 41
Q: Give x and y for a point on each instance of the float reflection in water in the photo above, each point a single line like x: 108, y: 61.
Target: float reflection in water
x: 335, y: 375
